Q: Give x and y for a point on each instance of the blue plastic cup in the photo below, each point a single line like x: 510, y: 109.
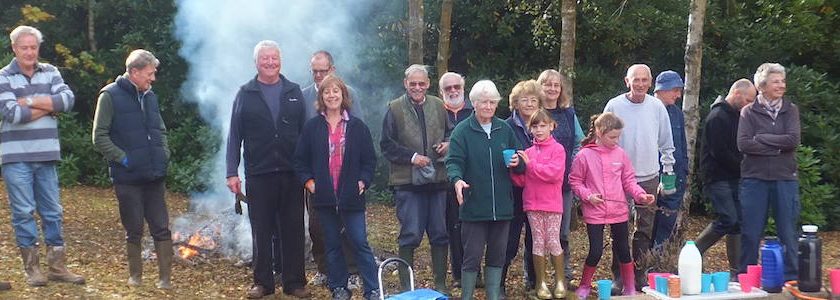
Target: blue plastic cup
x: 662, y: 284
x: 705, y: 283
x: 604, y: 289
x: 508, y: 155
x: 721, y: 281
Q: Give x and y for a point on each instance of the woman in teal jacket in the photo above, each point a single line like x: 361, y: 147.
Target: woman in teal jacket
x: 476, y: 166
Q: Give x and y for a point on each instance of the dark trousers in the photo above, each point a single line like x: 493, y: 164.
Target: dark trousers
x: 453, y: 229
x: 724, y: 197
x: 480, y: 237
x: 138, y: 202
x: 620, y: 242
x: 520, y: 220
x: 782, y: 198
x: 421, y: 212
x: 272, y: 196
x: 664, y: 222
x: 350, y: 225
x: 277, y: 247
x: 316, y: 234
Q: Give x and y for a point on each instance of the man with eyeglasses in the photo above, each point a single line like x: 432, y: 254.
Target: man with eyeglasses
x: 415, y: 138
x: 457, y: 109
x: 321, y: 65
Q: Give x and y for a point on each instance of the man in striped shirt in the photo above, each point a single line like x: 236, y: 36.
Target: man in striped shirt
x: 31, y: 93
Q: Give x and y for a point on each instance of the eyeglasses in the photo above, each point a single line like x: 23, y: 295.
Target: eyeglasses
x: 554, y: 85
x: 320, y: 72
x: 453, y: 87
x: 418, y: 84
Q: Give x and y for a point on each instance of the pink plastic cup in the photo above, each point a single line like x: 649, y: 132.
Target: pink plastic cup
x: 746, y: 281
x: 834, y: 280
x: 755, y: 272
x: 652, y: 278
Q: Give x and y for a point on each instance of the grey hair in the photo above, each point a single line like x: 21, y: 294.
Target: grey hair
x: 416, y: 68
x: 485, y: 89
x: 632, y: 69
x: 448, y: 75
x: 23, y: 29
x: 266, y: 44
x: 139, y: 59
x: 764, y: 71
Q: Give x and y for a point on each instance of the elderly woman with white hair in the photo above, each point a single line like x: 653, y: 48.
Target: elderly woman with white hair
x: 768, y: 134
x: 476, y: 165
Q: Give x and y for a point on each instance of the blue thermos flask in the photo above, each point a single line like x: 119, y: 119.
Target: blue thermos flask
x: 772, y: 265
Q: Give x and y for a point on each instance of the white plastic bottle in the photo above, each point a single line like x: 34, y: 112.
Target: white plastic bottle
x: 690, y: 268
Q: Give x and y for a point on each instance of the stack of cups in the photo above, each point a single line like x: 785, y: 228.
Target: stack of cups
x: 834, y: 282
x: 604, y: 289
x: 662, y: 283
x: 705, y: 283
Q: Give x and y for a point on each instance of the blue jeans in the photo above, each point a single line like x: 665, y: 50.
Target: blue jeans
x: 724, y: 196
x: 663, y: 224
x: 421, y: 212
x: 352, y: 224
x: 782, y: 198
x: 34, y: 186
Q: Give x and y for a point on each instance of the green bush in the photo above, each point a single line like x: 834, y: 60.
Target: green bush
x: 814, y: 195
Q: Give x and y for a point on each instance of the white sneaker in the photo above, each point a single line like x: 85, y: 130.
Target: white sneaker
x: 320, y: 279
x: 354, y: 282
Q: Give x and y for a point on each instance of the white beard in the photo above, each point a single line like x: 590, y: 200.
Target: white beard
x: 454, y: 102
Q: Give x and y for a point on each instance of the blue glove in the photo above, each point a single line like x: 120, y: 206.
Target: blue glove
x: 124, y: 162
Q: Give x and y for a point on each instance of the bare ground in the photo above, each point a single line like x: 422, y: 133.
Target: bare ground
x: 94, y: 238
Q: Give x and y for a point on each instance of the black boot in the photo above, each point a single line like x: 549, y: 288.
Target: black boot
x: 164, y: 253
x: 733, y: 252
x: 707, y: 239
x: 135, y: 263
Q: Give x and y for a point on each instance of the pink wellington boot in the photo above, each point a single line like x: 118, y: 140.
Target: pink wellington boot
x: 629, y: 276
x: 585, y: 282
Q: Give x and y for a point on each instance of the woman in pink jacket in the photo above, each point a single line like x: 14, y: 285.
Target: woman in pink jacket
x: 542, y: 200
x: 601, y: 177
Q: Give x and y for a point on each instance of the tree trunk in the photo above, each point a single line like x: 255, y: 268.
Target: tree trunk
x: 442, y: 64
x: 691, y: 98
x: 568, y: 40
x: 415, y: 31
x: 91, y: 32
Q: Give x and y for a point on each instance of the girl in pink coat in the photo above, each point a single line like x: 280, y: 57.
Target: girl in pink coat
x: 542, y: 200
x: 602, y: 177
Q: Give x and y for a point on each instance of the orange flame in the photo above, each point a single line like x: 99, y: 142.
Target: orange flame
x: 196, y: 240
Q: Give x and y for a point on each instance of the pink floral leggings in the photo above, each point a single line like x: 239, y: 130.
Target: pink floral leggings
x: 545, y: 229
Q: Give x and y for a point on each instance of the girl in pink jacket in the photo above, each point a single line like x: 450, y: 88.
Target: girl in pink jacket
x: 602, y: 177
x: 542, y: 200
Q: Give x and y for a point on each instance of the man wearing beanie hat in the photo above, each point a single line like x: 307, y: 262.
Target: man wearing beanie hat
x: 669, y: 88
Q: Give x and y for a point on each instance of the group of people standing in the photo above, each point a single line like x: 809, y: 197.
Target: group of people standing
x: 467, y: 179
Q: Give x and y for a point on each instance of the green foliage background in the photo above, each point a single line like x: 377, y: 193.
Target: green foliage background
x: 502, y: 40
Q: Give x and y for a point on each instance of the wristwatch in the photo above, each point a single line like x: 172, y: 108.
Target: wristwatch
x: 29, y: 101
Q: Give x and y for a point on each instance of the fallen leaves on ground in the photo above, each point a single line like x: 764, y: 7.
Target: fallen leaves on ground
x: 96, y: 249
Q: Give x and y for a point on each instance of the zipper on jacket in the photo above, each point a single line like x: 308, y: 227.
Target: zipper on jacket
x: 492, y: 177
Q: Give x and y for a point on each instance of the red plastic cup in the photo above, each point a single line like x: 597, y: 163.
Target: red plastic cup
x: 746, y: 281
x: 834, y: 280
x: 755, y: 272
